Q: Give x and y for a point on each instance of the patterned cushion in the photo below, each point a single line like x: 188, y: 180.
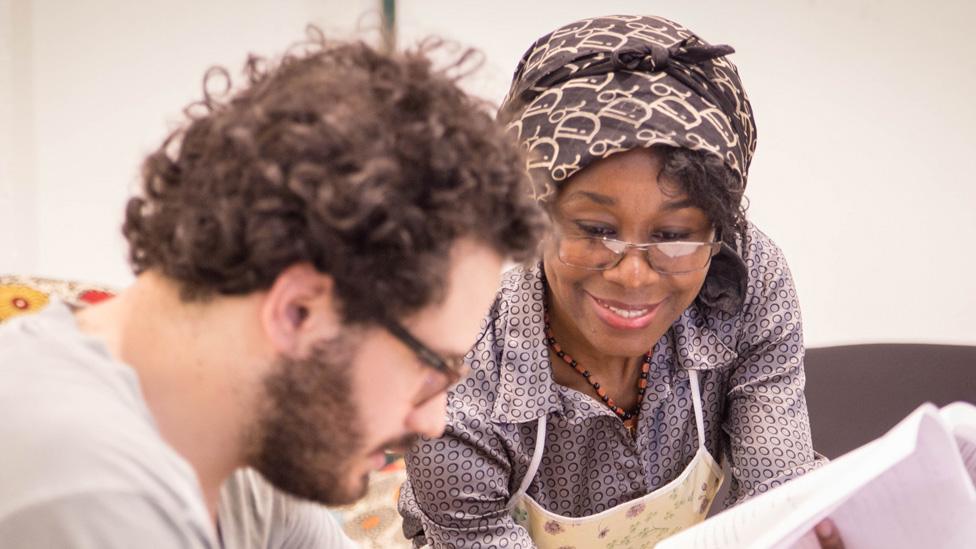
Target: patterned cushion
x: 372, y: 521
x: 21, y: 294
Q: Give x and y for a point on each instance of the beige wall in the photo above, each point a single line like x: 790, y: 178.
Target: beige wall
x: 105, y: 81
x: 862, y: 173
x: 18, y: 246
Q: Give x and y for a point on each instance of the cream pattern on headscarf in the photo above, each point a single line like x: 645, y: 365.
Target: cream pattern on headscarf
x: 610, y: 84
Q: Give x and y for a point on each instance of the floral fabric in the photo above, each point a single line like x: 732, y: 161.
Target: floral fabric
x: 634, y: 525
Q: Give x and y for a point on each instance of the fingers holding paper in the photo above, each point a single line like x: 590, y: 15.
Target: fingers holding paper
x: 828, y: 535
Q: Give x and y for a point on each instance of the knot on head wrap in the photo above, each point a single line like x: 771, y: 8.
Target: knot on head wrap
x: 601, y: 86
x: 654, y: 57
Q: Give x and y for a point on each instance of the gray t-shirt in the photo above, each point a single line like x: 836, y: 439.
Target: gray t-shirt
x: 83, y: 464
x: 253, y: 515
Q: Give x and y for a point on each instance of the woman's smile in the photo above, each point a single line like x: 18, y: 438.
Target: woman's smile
x: 624, y: 316
x: 623, y: 309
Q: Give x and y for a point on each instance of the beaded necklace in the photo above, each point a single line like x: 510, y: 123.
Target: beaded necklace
x: 629, y: 417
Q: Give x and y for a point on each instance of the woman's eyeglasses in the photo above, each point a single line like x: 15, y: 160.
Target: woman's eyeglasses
x: 599, y: 253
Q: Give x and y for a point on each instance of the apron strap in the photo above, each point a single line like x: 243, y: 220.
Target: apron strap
x: 540, y: 437
x: 696, y: 401
x: 540, y: 442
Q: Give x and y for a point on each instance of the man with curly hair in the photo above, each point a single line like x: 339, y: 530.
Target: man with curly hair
x: 314, y: 253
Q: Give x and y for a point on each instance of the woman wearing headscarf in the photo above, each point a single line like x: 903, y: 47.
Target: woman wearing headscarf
x: 660, y: 330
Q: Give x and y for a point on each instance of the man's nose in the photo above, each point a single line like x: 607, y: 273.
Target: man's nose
x: 429, y: 418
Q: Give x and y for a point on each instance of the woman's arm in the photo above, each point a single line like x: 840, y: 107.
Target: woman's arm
x: 766, y: 421
x: 459, y: 487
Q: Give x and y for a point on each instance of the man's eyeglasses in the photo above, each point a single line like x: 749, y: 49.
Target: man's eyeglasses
x: 447, y: 371
x: 599, y: 253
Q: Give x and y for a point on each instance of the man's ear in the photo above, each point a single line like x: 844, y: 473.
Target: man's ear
x: 300, y: 308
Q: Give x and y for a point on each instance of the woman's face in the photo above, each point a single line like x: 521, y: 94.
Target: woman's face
x: 624, y: 310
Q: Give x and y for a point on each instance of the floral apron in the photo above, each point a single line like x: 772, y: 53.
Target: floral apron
x: 640, y: 523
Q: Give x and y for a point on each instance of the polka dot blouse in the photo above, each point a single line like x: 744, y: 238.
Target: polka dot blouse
x: 751, y: 371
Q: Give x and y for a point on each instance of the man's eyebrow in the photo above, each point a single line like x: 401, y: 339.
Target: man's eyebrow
x: 600, y: 199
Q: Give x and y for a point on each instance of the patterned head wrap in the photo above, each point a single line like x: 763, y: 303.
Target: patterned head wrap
x: 610, y: 84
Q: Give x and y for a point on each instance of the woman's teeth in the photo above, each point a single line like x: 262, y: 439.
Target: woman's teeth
x: 626, y: 313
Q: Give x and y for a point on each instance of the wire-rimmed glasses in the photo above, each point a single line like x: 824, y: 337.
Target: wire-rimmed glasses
x: 599, y: 253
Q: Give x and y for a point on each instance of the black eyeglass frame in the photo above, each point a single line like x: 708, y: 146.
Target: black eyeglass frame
x: 453, y: 369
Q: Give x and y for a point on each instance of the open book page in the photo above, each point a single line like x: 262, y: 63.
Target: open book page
x: 917, y: 454
x: 961, y: 417
x: 788, y: 511
x: 926, y: 500
x: 741, y: 525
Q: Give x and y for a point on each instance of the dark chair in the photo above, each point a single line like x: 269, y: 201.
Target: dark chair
x: 856, y: 393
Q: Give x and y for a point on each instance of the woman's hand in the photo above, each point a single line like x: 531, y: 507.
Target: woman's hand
x: 828, y: 535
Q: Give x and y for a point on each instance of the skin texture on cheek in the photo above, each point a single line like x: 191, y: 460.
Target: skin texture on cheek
x: 387, y: 376
x: 620, y: 197
x: 573, y: 315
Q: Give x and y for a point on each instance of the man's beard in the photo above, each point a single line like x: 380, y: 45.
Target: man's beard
x: 310, y: 434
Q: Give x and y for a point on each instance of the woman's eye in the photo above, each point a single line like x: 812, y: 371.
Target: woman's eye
x: 595, y: 230
x: 670, y: 236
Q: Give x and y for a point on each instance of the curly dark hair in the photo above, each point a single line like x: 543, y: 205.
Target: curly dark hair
x: 711, y: 186
x: 365, y: 164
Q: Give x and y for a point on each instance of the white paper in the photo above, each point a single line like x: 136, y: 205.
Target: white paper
x: 908, y: 488
x: 962, y: 417
x: 923, y: 501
